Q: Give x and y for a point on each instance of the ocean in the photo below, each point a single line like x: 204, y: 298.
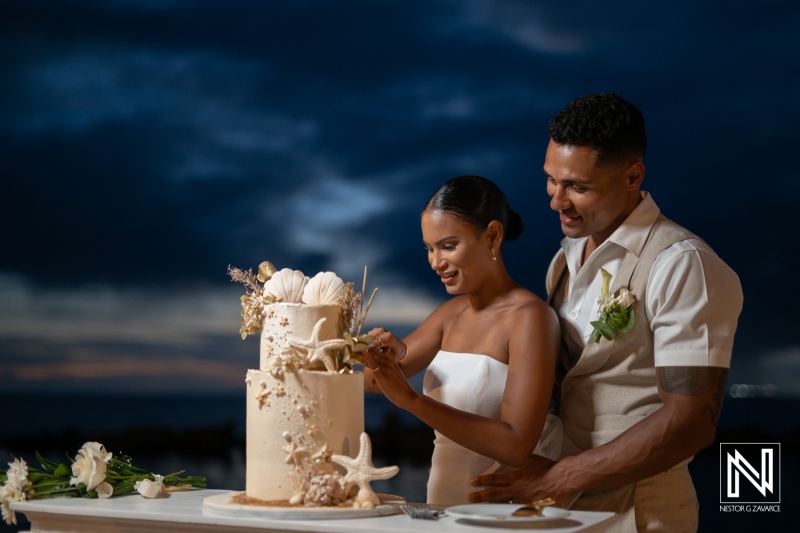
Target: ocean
x: 204, y: 435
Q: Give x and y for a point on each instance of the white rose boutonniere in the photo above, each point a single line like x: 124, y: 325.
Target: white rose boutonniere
x: 616, y: 314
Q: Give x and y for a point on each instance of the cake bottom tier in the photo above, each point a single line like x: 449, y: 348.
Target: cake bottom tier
x: 294, y: 423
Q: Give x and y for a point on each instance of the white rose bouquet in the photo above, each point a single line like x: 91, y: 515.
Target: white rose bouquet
x: 616, y: 314
x: 94, y: 473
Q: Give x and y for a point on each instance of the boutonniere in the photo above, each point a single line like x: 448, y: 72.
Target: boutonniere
x: 616, y: 312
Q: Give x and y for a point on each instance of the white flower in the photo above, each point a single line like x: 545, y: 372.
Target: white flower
x: 17, y: 472
x: 12, y: 492
x: 14, y: 489
x: 625, y: 298
x: 9, y: 516
x: 90, y: 467
x: 104, y: 490
x: 148, y: 488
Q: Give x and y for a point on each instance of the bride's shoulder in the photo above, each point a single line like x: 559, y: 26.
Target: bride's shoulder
x: 528, y: 304
x: 522, y: 297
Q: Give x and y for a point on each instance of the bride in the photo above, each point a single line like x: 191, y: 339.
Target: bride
x: 490, y: 352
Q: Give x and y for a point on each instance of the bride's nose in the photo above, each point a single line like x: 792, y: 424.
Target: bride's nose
x: 437, y: 263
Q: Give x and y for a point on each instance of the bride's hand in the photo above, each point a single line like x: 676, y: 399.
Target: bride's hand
x: 370, y: 384
x: 386, y: 343
x: 381, y: 359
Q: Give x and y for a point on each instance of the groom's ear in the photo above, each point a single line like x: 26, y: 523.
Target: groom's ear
x: 634, y: 175
x: 494, y: 231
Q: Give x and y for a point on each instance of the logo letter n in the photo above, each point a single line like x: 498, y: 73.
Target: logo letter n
x: 738, y: 464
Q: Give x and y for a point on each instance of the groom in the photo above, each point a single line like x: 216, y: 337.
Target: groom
x: 638, y: 406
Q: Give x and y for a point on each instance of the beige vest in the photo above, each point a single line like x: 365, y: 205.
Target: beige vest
x: 612, y: 386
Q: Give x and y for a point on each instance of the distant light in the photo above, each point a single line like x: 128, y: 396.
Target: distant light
x: 747, y: 390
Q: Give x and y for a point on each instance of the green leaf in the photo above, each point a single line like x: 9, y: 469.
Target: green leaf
x: 63, y: 470
x: 124, y: 487
x: 631, y: 321
x: 33, y: 477
x: 616, y: 320
x: 49, y: 466
x: 606, y: 331
x: 197, y: 482
x: 47, y: 486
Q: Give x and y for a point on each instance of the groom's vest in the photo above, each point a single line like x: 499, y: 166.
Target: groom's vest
x: 612, y: 386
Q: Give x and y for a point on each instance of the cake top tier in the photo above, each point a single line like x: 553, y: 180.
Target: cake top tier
x: 271, y: 288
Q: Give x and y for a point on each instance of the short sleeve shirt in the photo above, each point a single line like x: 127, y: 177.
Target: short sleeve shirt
x: 693, y: 298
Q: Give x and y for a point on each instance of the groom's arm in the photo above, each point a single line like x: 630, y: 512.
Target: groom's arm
x: 684, y: 425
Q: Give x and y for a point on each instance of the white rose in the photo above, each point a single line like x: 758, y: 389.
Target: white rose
x: 104, y: 490
x: 148, y: 488
x: 90, y: 467
x: 625, y: 298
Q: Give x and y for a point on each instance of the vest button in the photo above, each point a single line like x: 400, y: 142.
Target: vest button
x: 567, y: 387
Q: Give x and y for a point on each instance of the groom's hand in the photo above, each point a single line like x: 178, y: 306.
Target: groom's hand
x: 523, y: 485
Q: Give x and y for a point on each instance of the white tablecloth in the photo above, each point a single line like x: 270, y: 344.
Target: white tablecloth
x: 183, y: 512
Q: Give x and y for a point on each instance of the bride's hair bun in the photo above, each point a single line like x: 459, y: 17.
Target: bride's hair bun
x: 477, y: 201
x: 514, y: 227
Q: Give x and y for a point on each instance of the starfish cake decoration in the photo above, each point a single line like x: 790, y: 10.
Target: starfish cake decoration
x: 361, y: 471
x: 262, y: 396
x: 294, y: 454
x: 323, y: 454
x: 318, y: 349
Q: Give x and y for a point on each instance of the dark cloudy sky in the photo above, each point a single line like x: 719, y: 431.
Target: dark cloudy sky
x: 147, y: 144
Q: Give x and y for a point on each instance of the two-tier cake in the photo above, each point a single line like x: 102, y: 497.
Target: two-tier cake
x: 306, y: 444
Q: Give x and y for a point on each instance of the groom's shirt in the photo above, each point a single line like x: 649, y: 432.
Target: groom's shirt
x: 693, y: 298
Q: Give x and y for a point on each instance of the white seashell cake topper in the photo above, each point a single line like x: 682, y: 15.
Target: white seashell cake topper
x: 271, y: 286
x: 326, y: 288
x: 287, y: 285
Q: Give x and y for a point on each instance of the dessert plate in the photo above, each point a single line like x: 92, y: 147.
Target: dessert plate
x: 499, y: 513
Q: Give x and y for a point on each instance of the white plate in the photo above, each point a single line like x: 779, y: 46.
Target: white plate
x: 496, y: 513
x: 220, y: 505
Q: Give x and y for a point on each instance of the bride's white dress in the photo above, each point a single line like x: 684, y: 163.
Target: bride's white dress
x: 472, y: 383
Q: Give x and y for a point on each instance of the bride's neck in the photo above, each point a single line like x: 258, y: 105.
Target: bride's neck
x: 495, y: 289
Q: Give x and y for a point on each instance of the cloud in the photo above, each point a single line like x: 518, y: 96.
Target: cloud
x: 204, y: 98
x: 525, y: 24
x: 132, y: 368
x: 106, y: 313
x: 84, y: 84
x: 327, y: 206
x: 144, y: 153
x: 174, y: 318
x: 106, y: 339
x: 211, y: 364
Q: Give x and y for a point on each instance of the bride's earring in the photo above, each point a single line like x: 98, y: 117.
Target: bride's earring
x: 494, y: 257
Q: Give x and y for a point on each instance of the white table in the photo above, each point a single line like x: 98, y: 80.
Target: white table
x: 183, y: 512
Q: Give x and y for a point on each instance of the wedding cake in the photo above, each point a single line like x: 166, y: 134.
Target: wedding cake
x: 306, y: 444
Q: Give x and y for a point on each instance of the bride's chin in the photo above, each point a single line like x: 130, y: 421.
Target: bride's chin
x: 452, y: 289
